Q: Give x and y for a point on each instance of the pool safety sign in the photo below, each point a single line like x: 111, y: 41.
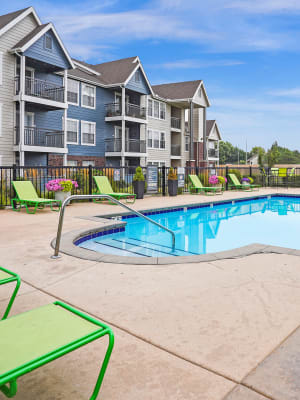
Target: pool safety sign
x: 117, y: 175
x: 152, y: 178
x: 180, y: 175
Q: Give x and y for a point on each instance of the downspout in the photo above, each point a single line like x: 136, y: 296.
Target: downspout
x: 19, y: 101
x: 191, y: 131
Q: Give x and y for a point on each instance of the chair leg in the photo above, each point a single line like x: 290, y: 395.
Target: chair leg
x: 12, y: 299
x: 34, y: 210
x: 11, y: 390
x: 104, y: 366
x: 58, y: 205
x: 14, y: 205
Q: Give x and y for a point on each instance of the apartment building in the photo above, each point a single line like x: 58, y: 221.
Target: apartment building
x: 55, y: 110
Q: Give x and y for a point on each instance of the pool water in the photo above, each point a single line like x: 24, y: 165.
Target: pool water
x: 271, y: 221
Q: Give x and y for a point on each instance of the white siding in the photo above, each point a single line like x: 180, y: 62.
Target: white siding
x: 7, y: 41
x: 198, y: 124
x: 1, y: 67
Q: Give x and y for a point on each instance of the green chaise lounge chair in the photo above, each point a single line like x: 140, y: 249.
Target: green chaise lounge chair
x: 34, y: 338
x: 27, y: 195
x: 199, y: 188
x: 237, y: 185
x: 104, y: 187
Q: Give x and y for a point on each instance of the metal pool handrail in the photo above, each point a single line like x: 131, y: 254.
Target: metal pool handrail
x: 99, y: 196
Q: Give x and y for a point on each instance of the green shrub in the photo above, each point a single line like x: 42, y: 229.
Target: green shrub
x: 138, y: 176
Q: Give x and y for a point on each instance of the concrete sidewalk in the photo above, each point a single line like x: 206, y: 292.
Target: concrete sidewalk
x: 221, y: 330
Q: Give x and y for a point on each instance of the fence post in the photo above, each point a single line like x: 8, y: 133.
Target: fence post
x: 227, y: 177
x: 90, y: 181
x: 250, y: 171
x: 14, y: 173
x: 163, y: 180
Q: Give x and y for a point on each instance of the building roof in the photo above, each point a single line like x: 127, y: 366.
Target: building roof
x: 7, y: 18
x: 209, y: 125
x: 30, y: 36
x: 177, y: 90
x: 113, y: 72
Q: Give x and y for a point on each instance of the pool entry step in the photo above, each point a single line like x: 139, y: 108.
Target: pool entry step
x: 132, y: 247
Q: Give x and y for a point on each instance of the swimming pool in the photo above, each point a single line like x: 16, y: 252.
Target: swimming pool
x: 202, y: 229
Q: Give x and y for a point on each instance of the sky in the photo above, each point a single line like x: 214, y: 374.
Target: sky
x: 247, y: 52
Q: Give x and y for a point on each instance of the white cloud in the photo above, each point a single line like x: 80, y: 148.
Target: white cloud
x: 265, y: 6
x: 194, y: 64
x: 293, y: 92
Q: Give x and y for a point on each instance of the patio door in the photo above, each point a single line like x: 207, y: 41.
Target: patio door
x: 29, y: 129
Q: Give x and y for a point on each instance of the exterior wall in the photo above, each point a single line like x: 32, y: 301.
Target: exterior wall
x: 141, y: 86
x: 103, y: 129
x: 198, y: 117
x: 200, y: 99
x: 162, y: 126
x: 55, y: 57
x: 33, y: 159
x: 7, y: 41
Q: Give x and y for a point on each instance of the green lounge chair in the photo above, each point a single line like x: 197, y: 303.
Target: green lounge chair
x: 237, y: 185
x: 9, y: 277
x: 104, y: 187
x: 199, y: 188
x: 34, y: 338
x: 27, y: 195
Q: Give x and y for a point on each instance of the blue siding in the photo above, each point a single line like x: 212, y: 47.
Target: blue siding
x: 141, y: 86
x: 53, y: 78
x: 49, y: 119
x: 55, y: 57
x: 103, y: 129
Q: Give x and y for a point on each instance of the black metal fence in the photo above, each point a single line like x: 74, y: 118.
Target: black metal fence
x: 39, y: 176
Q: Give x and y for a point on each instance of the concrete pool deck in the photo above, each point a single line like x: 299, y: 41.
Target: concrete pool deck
x: 219, y: 330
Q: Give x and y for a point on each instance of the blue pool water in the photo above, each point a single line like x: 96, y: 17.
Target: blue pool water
x: 271, y: 221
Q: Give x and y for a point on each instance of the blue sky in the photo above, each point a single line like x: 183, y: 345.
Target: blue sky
x: 246, y: 51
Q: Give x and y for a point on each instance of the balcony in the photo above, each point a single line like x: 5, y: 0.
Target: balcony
x: 175, y: 122
x: 131, y: 146
x: 34, y: 136
x: 213, y: 153
x: 131, y: 110
x: 41, y: 89
x: 175, y: 150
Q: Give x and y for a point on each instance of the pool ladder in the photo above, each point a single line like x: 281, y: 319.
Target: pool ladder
x: 99, y: 196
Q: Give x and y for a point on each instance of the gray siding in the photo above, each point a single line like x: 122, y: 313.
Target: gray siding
x: 7, y: 41
x: 54, y: 57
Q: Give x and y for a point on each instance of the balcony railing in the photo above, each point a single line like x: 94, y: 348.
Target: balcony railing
x: 175, y: 123
x: 42, y: 89
x: 34, y: 136
x: 175, y: 150
x: 131, y: 145
x: 131, y: 110
x: 213, y: 153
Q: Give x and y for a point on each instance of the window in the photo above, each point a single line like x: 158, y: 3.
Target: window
x: 86, y: 163
x: 137, y: 77
x: 156, y: 139
x: 187, y: 143
x: 48, y: 42
x: 156, y: 109
x: 1, y: 67
x: 162, y: 140
x: 72, y: 163
x: 157, y: 163
x: 162, y: 114
x: 149, y: 142
x: 88, y: 133
x: 88, y: 96
x: 73, y: 92
x: 150, y: 107
x: 72, y: 131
